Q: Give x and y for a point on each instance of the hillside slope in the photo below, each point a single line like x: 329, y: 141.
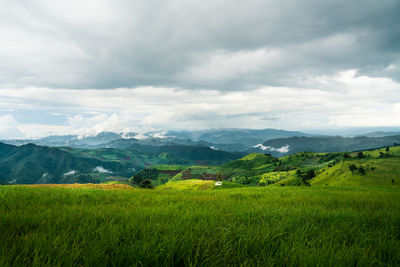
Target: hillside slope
x: 330, y: 143
x: 30, y: 164
x: 367, y: 168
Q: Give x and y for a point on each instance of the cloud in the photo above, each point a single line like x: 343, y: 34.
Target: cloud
x: 142, y: 65
x: 359, y: 101
x: 9, y: 127
x: 283, y: 149
x: 219, y: 44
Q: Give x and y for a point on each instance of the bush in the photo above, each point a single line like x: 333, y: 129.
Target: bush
x: 146, y: 184
x: 309, y: 175
x: 143, y: 175
x: 352, y: 168
x: 361, y: 170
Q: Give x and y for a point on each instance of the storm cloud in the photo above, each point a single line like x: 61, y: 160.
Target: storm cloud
x: 222, y: 45
x: 316, y: 51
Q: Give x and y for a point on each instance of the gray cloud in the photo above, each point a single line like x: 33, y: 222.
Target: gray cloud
x: 362, y: 102
x: 183, y: 64
x: 220, y: 44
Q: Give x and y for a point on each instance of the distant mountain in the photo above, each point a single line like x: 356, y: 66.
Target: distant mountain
x: 73, y: 140
x: 379, y: 134
x: 283, y: 146
x: 132, y: 143
x: 245, y: 137
x: 231, y: 140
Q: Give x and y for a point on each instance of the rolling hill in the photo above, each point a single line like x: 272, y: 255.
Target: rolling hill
x: 367, y: 168
x: 30, y: 163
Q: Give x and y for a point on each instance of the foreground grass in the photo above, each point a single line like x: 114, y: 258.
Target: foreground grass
x: 240, y: 226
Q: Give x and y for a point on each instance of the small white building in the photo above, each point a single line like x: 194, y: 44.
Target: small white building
x: 218, y: 183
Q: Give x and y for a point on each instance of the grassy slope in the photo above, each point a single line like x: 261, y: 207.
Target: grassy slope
x: 196, y: 184
x: 159, y: 174
x: 330, y: 169
x: 254, y: 164
x: 379, y: 172
x: 290, y: 226
x: 140, y: 160
x: 193, y: 184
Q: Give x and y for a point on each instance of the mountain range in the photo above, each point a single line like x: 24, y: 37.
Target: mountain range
x: 296, y: 144
x: 116, y: 156
x: 238, y: 139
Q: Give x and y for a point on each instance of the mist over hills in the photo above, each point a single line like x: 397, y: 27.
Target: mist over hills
x: 219, y: 139
x: 246, y: 137
x: 273, y: 141
x: 117, y: 156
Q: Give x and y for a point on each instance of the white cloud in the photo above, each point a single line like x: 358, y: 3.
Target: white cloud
x: 357, y: 100
x: 9, y: 127
x: 72, y: 172
x: 100, y: 169
x: 283, y: 149
x: 196, y: 64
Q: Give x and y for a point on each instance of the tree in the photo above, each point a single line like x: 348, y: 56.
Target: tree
x: 309, y: 174
x: 360, y: 155
x: 146, y: 184
x: 387, y: 149
x: 361, y: 171
x: 352, y: 168
x: 143, y: 175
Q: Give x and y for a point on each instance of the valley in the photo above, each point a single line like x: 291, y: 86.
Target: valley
x: 183, y: 204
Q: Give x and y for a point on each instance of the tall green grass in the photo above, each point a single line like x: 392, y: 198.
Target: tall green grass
x: 293, y: 226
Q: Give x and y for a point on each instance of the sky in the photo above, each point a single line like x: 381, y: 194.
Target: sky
x: 83, y: 67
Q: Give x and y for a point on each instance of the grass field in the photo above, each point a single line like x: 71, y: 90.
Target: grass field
x: 292, y: 226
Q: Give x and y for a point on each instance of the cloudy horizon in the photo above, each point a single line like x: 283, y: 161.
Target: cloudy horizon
x: 73, y: 67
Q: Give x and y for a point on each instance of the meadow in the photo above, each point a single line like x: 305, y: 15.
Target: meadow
x: 118, y: 225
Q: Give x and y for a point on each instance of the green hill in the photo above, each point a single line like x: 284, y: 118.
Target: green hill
x: 377, y: 172
x: 253, y: 161
x: 159, y: 174
x: 30, y: 164
x: 371, y: 167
